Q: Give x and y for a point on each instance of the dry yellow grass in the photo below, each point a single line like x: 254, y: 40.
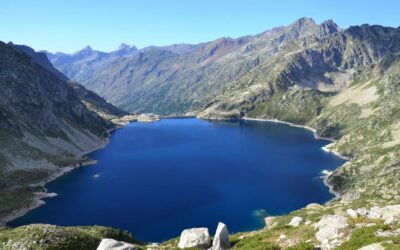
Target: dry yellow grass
x: 360, y: 94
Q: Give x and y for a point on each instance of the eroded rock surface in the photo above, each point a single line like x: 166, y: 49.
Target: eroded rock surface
x: 111, y: 244
x: 221, y: 238
x: 195, y: 237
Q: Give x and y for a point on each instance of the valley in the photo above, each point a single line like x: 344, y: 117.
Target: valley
x: 344, y: 83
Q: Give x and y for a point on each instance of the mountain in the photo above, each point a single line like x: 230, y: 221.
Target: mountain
x: 167, y: 81
x: 341, y: 82
x: 47, y: 124
x: 84, y: 63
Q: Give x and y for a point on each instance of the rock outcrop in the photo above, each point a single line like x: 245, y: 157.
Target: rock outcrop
x: 329, y: 230
x: 221, y: 238
x: 375, y: 246
x: 195, y: 237
x: 295, y: 222
x: 111, y: 244
x: 270, y: 222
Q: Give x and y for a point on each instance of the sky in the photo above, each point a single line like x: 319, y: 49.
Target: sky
x: 69, y: 25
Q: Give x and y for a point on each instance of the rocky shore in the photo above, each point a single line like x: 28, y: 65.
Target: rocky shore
x: 37, y: 199
x: 325, y: 173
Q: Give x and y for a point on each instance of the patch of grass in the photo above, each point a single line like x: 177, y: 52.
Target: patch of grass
x: 362, y: 237
x: 301, y: 246
x: 295, y: 106
x: 49, y: 237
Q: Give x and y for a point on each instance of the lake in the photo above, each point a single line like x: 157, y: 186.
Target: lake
x: 156, y: 179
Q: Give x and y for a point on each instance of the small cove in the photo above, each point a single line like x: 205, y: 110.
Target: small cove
x: 156, y: 179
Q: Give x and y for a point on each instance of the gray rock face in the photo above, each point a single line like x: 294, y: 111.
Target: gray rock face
x: 111, y: 244
x: 195, y: 237
x: 221, y: 238
x: 328, y: 230
x: 44, y: 122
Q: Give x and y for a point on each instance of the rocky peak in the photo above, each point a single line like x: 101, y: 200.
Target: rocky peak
x: 124, y: 49
x: 307, y: 26
x: 302, y: 27
x: 304, y: 22
x: 329, y: 27
x: 86, y: 51
x: 123, y: 46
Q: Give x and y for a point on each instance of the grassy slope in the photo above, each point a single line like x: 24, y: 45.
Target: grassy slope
x: 38, y: 237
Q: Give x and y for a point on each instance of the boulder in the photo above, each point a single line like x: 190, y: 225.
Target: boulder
x: 374, y: 213
x: 314, y: 206
x: 270, y: 222
x: 390, y: 221
x: 352, y: 213
x: 221, y: 238
x: 328, y: 227
x: 385, y: 213
x: 111, y: 244
x: 295, y: 222
x: 375, y: 246
x: 362, y: 212
x: 195, y: 237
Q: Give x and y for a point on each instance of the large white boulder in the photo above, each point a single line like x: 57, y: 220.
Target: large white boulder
x: 375, y: 246
x: 314, y: 206
x: 111, y: 244
x: 352, y: 213
x: 195, y: 237
x: 270, y: 222
x: 295, y: 222
x: 388, y: 212
x: 221, y: 238
x: 328, y: 228
x: 362, y: 212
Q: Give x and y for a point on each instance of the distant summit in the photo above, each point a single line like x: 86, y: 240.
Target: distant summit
x: 84, y: 52
x: 124, y: 50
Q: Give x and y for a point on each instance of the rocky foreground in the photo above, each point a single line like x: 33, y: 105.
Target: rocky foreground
x: 334, y: 226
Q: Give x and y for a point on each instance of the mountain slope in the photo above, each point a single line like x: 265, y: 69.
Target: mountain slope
x: 84, y: 64
x: 44, y: 125
x: 300, y: 73
x: 160, y: 80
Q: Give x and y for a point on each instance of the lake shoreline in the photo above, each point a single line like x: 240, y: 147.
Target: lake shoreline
x: 38, y: 197
x: 325, y: 173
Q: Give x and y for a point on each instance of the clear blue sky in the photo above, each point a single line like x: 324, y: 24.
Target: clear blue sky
x: 69, y: 25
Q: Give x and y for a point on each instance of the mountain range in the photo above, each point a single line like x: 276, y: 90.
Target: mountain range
x: 185, y: 78
x: 342, y: 83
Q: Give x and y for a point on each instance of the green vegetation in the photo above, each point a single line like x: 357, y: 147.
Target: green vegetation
x: 294, y: 106
x: 301, y: 246
x: 39, y: 237
x: 362, y: 237
x: 12, y: 198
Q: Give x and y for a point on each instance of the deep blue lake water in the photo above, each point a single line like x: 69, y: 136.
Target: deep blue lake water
x: 156, y: 179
